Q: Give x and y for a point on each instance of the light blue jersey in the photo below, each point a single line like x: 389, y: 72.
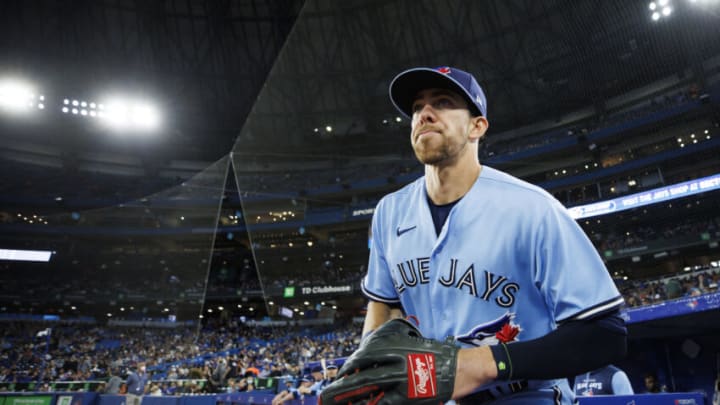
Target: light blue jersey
x: 510, y: 264
x: 608, y: 380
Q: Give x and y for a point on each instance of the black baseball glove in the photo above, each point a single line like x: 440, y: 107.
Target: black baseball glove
x: 395, y: 365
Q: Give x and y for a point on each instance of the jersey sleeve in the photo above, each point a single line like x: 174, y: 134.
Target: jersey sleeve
x: 621, y: 384
x: 377, y: 285
x: 569, y: 272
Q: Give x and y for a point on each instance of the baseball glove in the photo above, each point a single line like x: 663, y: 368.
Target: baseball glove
x: 395, y: 365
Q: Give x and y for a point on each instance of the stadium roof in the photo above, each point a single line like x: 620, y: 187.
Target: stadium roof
x: 307, y: 64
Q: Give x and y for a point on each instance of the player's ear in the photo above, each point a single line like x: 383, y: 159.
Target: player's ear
x: 478, y: 127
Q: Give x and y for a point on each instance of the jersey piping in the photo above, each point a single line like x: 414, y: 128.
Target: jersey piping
x: 596, y: 310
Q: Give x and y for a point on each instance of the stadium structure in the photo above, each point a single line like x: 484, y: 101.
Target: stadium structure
x: 249, y: 195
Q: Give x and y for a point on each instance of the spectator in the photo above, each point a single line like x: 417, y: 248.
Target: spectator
x: 299, y: 393
x: 652, y: 385
x: 218, y: 377
x: 155, y: 390
x: 114, y: 382
x: 136, y: 382
x: 673, y: 289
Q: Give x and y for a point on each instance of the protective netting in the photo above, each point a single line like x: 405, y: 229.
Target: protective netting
x: 137, y: 260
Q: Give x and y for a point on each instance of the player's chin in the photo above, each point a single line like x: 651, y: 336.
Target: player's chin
x: 429, y: 158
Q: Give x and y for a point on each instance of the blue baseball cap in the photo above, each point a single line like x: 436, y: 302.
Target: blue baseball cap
x: 406, y: 85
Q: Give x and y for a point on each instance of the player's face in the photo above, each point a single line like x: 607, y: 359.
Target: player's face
x: 441, y: 124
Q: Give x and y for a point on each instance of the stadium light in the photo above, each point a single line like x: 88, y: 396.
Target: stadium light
x: 18, y: 96
x: 26, y: 255
x: 660, y: 9
x: 122, y: 113
x: 118, y: 113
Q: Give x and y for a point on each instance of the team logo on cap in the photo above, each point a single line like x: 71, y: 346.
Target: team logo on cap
x: 444, y: 70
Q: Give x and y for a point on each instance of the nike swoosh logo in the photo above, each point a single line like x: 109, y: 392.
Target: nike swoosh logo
x: 402, y: 231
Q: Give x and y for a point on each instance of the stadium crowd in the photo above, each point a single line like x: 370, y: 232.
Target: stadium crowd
x: 646, y: 292
x: 181, y: 360
x: 637, y: 235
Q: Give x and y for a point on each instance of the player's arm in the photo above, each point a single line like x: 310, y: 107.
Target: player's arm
x: 377, y: 314
x: 621, y: 384
x: 571, y: 349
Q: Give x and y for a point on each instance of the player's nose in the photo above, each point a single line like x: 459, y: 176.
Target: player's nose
x: 426, y: 114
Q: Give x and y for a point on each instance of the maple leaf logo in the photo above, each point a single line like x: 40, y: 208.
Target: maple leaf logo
x: 508, y: 333
x: 492, y: 332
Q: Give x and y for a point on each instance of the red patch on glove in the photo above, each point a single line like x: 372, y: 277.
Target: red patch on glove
x: 422, y: 382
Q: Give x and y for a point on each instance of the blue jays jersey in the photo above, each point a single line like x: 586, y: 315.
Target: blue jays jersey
x: 608, y: 380
x: 509, y: 264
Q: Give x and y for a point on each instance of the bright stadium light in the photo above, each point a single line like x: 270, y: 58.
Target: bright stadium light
x: 660, y: 9
x: 145, y: 116
x: 117, y: 112
x: 128, y: 114
x: 87, y: 109
x: 18, y: 96
x: 26, y: 255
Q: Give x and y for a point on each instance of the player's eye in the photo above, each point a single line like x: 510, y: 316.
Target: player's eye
x: 417, y: 107
x: 443, y: 102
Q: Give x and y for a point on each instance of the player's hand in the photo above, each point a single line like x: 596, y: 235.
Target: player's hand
x: 395, y: 365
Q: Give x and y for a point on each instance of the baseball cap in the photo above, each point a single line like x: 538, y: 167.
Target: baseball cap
x: 307, y: 378
x: 331, y: 365
x: 406, y: 85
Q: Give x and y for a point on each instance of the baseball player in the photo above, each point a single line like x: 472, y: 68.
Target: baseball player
x: 473, y: 253
x: 608, y: 380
